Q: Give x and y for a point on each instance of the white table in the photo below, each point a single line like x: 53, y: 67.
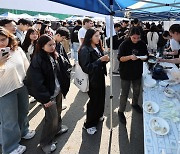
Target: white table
x: 153, y: 143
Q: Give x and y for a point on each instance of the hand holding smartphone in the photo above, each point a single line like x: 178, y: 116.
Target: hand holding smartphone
x: 4, y: 51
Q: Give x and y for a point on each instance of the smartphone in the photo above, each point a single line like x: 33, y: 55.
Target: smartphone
x: 4, y: 51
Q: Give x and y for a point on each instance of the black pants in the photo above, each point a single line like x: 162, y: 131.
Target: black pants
x: 95, y: 106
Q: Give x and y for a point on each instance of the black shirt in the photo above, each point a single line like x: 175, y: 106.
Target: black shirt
x: 74, y: 34
x: 131, y: 70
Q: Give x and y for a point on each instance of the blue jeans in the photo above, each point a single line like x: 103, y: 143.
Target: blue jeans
x: 75, y: 47
x: 14, y: 108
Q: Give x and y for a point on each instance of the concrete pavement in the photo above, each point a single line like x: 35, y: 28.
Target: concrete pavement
x: 121, y: 140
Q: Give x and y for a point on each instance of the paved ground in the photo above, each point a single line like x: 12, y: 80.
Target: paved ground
x: 121, y: 140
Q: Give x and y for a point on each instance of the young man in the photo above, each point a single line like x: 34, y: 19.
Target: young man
x: 174, y: 31
x: 10, y: 25
x: 75, y: 41
x: 61, y: 34
x: 22, y: 27
x: 87, y: 24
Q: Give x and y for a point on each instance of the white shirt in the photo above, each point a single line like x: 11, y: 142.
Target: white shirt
x: 81, y: 34
x: 21, y: 35
x: 152, y: 43
x: 13, y: 72
x: 98, y: 52
x: 174, y: 45
x: 30, y: 52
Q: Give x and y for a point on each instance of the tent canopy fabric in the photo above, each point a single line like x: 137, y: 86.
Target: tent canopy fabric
x: 142, y: 9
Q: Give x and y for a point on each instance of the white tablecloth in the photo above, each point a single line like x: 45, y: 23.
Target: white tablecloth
x: 153, y: 143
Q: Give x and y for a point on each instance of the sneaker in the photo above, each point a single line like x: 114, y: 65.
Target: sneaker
x: 137, y: 108
x: 91, y: 131
x: 29, y: 135
x: 64, y: 107
x: 63, y: 130
x: 101, y: 118
x: 32, y: 99
x: 19, y: 150
x: 49, y: 148
x: 122, y: 117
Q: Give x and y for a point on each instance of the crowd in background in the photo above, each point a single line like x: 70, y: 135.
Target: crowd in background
x: 37, y: 65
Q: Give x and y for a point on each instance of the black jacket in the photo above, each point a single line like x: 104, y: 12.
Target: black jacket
x: 92, y: 65
x: 40, y: 79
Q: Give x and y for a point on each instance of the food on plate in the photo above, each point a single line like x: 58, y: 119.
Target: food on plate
x: 169, y: 91
x: 156, y: 125
x: 150, y: 108
x: 163, y: 130
x: 152, y: 61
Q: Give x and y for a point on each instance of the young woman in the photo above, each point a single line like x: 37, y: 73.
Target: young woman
x: 30, y: 42
x: 13, y: 95
x: 152, y: 39
x: 46, y: 83
x: 131, y: 69
x: 93, y: 62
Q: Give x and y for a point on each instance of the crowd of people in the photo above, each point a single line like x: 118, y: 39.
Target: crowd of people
x: 34, y: 63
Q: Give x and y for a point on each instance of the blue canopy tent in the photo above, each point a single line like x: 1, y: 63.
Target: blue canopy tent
x: 143, y: 9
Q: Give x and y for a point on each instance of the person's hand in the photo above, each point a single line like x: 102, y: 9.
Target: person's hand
x: 133, y: 57
x: 4, y: 59
x: 165, y: 53
x: 105, y: 58
x: 161, y: 60
x: 48, y: 104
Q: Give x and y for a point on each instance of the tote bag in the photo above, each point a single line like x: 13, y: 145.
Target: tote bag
x: 81, y: 79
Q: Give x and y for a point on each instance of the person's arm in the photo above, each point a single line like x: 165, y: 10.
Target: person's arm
x: 174, y: 61
x: 81, y: 40
x: 175, y: 52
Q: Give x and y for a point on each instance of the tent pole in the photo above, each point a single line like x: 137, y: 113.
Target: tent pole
x: 111, y: 44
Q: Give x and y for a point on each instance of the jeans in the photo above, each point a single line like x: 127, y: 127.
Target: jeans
x: 52, y: 121
x: 115, y: 67
x: 125, y: 85
x: 75, y: 47
x: 14, y: 108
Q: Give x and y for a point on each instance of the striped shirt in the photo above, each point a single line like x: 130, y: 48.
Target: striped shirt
x: 13, y: 72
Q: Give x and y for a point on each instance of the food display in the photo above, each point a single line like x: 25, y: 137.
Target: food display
x: 169, y: 92
x: 150, y: 107
x: 159, y: 126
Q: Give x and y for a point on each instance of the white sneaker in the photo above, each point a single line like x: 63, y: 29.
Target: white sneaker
x: 49, y: 148
x: 101, y: 119
x: 91, y: 131
x: 29, y: 135
x: 19, y: 150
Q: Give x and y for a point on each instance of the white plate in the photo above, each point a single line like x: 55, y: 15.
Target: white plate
x: 150, y: 82
x: 169, y: 92
x: 150, y: 104
x: 141, y: 57
x: 157, y: 122
x: 163, y: 83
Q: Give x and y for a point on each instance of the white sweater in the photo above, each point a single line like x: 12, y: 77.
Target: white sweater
x: 152, y: 44
x: 13, y: 72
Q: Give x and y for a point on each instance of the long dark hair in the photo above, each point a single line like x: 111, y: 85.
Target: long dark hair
x: 88, y: 38
x: 27, y: 40
x: 42, y: 30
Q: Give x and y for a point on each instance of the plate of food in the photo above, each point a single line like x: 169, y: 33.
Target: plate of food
x: 159, y: 126
x: 169, y: 92
x: 163, y: 83
x: 149, y: 82
x: 142, y: 57
x: 150, y: 107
